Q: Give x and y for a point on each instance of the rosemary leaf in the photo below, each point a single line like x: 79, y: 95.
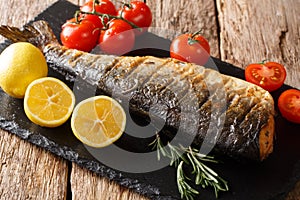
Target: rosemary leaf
x: 158, y: 145
x: 193, y: 164
x: 203, y: 175
x: 176, y: 155
x: 185, y: 190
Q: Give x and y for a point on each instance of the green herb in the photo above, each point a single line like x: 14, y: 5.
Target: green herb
x: 203, y: 175
x: 185, y: 190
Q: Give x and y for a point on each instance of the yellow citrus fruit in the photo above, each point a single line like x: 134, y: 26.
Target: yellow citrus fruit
x: 98, y: 121
x: 20, y: 64
x: 48, y: 102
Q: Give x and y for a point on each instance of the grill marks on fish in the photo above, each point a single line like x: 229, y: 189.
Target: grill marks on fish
x: 127, y: 74
x: 163, y: 85
x: 245, y: 116
x: 176, y: 92
x: 184, y: 94
x: 143, y: 72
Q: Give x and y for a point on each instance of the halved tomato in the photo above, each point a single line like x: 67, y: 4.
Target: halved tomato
x: 289, y: 105
x: 268, y: 75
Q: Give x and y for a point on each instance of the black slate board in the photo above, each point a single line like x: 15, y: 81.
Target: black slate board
x: 271, y: 179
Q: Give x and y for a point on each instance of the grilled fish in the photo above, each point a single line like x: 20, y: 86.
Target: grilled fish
x: 234, y: 116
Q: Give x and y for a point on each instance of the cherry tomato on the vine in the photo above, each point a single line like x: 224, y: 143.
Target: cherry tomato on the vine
x: 192, y: 48
x: 118, y: 39
x: 101, y: 6
x: 289, y: 105
x: 82, y: 35
x: 138, y: 13
x: 268, y: 75
x: 94, y: 19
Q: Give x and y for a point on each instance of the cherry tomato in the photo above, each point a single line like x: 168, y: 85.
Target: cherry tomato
x: 192, y: 48
x: 269, y: 75
x: 138, y: 13
x: 289, y: 105
x: 101, y: 6
x: 118, y: 39
x: 82, y: 35
x: 94, y: 19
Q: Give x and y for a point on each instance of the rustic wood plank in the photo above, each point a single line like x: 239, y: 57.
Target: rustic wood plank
x: 252, y: 31
x: 88, y: 185
x: 29, y: 172
x: 26, y: 171
x: 295, y: 193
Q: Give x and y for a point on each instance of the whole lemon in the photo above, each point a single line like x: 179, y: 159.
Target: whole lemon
x: 20, y: 64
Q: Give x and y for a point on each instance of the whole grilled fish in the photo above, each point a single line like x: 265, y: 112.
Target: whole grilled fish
x: 233, y: 116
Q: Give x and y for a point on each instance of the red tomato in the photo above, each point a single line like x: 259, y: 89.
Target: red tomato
x: 138, y: 13
x: 101, y: 6
x: 118, y: 39
x: 94, y: 19
x: 192, y: 48
x: 269, y: 75
x: 289, y: 105
x: 82, y: 35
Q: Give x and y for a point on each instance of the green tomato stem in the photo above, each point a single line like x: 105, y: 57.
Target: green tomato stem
x: 263, y: 62
x: 196, y: 33
x: 110, y: 16
x: 76, y: 16
x: 192, y: 40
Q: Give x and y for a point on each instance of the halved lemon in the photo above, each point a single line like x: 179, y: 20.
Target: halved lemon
x: 48, y: 102
x: 98, y: 121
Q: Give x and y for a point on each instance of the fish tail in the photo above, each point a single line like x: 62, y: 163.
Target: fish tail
x: 38, y: 33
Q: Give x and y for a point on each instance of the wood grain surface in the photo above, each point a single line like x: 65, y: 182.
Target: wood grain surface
x: 251, y: 31
x: 29, y: 172
x: 239, y: 32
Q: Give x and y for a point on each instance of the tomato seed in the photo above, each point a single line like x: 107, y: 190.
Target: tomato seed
x: 273, y: 78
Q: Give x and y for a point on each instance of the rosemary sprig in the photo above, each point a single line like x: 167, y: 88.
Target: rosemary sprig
x: 185, y: 190
x: 157, y: 145
x: 176, y: 153
x: 203, y: 175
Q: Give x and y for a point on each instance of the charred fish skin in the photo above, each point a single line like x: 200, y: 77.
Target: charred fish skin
x: 90, y: 67
x: 246, y: 114
x: 179, y: 90
x: 250, y: 111
x: 147, y: 81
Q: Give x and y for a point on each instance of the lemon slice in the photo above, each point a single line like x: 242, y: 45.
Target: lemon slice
x: 98, y: 121
x: 48, y: 102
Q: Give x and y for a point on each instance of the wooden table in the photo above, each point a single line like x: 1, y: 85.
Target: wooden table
x: 239, y: 32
